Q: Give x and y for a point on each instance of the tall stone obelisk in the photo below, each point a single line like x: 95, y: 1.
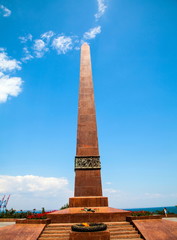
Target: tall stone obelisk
x: 88, y: 185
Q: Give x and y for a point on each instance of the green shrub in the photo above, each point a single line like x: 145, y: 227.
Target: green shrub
x: 13, y: 214
x: 141, y: 213
x: 161, y: 212
x: 65, y: 206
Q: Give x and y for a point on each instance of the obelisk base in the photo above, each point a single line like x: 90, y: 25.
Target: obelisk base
x: 93, y: 201
x: 78, y: 215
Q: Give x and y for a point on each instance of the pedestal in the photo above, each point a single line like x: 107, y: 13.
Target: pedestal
x: 88, y: 201
x: 78, y: 215
x: 102, y: 235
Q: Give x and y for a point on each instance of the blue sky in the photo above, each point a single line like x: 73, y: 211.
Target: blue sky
x: 134, y: 60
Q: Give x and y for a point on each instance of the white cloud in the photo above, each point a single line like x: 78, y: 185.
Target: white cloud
x: 9, y: 86
x: 39, y: 48
x: 7, y: 64
x: 153, y: 195
x: 77, y: 48
x: 101, y: 9
x: 126, y: 199
x: 5, y: 11
x: 108, y: 183
x: 92, y: 32
x: 111, y: 190
x: 47, y: 35
x: 29, y: 191
x: 28, y: 37
x: 39, y: 45
x: 27, y: 56
x: 62, y: 44
x: 42, y: 45
x: 30, y: 183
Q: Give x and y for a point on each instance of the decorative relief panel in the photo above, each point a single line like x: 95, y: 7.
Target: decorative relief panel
x: 87, y: 163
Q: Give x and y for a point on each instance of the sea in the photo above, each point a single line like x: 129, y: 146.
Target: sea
x: 154, y: 209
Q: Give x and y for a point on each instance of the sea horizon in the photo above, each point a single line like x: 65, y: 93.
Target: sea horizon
x: 170, y: 209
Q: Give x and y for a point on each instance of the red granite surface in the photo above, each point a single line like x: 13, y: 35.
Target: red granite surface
x: 32, y: 221
x: 87, y: 140
x: 87, y: 182
x: 102, y: 214
x: 8, y: 219
x: 21, y: 232
x: 157, y: 229
x: 102, y: 235
x: 88, y: 202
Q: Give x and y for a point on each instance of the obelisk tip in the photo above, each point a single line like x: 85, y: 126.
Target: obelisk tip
x: 85, y: 44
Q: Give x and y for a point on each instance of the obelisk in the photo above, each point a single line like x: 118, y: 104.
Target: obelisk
x: 88, y: 186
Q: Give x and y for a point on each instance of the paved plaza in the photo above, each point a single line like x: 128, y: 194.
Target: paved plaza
x: 3, y: 224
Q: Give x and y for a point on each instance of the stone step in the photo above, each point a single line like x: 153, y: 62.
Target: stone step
x: 53, y: 238
x: 54, y: 231
x: 126, y: 236
x: 63, y: 228
x: 117, y: 223
x: 61, y: 224
x: 121, y: 228
x: 58, y: 227
x: 123, y: 232
x: 118, y: 231
x: 55, y: 234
